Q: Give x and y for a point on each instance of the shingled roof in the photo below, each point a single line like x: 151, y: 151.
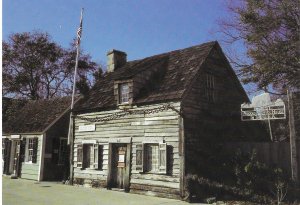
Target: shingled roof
x: 36, y: 116
x: 10, y: 106
x: 178, y: 68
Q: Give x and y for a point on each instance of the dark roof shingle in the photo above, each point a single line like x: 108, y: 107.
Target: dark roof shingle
x: 36, y: 116
x: 179, y: 67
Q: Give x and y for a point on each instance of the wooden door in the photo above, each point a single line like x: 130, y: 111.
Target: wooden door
x: 118, y: 166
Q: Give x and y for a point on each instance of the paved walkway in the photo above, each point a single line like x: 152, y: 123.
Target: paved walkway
x: 27, y: 192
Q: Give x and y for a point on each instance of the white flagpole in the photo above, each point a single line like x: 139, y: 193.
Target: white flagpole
x: 77, y: 56
x: 70, y: 134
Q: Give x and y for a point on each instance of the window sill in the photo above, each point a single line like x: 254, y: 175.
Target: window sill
x: 86, y: 171
x: 89, y: 169
x: 29, y: 163
x: 125, y: 105
x: 156, y: 173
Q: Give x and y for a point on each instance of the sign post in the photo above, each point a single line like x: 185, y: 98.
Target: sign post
x: 262, y: 108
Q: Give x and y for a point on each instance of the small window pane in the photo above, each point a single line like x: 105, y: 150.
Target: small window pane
x: 152, y: 158
x: 87, y: 156
x: 30, y: 149
x: 124, y: 93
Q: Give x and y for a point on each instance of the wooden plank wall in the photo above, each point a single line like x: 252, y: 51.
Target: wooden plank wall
x: 296, y: 106
x: 31, y: 171
x: 157, y: 126
x: 218, y: 121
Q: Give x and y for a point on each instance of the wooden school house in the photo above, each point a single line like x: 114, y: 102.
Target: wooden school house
x: 139, y: 127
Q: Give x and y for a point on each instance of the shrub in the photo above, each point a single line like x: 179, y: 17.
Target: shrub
x: 238, y: 176
x: 78, y: 181
x: 95, y: 183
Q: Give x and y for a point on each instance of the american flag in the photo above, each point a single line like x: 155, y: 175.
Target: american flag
x: 79, y: 32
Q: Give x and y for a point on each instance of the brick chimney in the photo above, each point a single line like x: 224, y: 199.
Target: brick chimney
x: 115, y: 59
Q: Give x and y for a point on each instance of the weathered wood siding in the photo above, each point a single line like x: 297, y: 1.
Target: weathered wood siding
x: 296, y: 106
x: 31, y: 170
x: 219, y: 120
x: 157, y: 126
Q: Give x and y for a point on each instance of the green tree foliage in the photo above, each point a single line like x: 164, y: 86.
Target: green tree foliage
x: 83, y: 86
x: 270, y: 29
x: 35, y: 67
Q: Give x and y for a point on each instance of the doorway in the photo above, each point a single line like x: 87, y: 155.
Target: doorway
x: 119, y: 166
x: 14, y: 159
x: 17, y: 155
x: 6, y: 150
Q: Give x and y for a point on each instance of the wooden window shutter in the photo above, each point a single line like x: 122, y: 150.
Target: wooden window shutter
x: 96, y: 156
x: 22, y: 150
x: 79, y: 155
x: 139, y: 157
x: 35, y: 149
x: 100, y: 157
x: 163, y: 158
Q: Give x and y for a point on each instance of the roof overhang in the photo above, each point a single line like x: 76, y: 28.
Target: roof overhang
x: 22, y: 133
x: 60, y: 116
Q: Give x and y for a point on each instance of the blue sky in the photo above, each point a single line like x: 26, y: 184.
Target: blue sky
x: 139, y: 27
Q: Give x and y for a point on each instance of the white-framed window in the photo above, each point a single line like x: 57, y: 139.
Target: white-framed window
x: 210, y: 88
x: 151, y: 158
x: 31, y: 150
x: 90, y: 156
x: 123, y: 93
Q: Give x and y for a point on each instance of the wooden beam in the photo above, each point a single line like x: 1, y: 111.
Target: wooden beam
x: 109, y: 168
x: 294, y: 164
x: 128, y: 168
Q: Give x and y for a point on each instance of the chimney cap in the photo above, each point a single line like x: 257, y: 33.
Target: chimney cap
x: 116, y: 51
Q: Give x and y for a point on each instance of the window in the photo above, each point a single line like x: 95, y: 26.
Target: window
x: 89, y: 156
x: 31, y: 149
x: 123, y: 93
x: 210, y: 88
x: 63, y: 151
x: 151, y: 158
